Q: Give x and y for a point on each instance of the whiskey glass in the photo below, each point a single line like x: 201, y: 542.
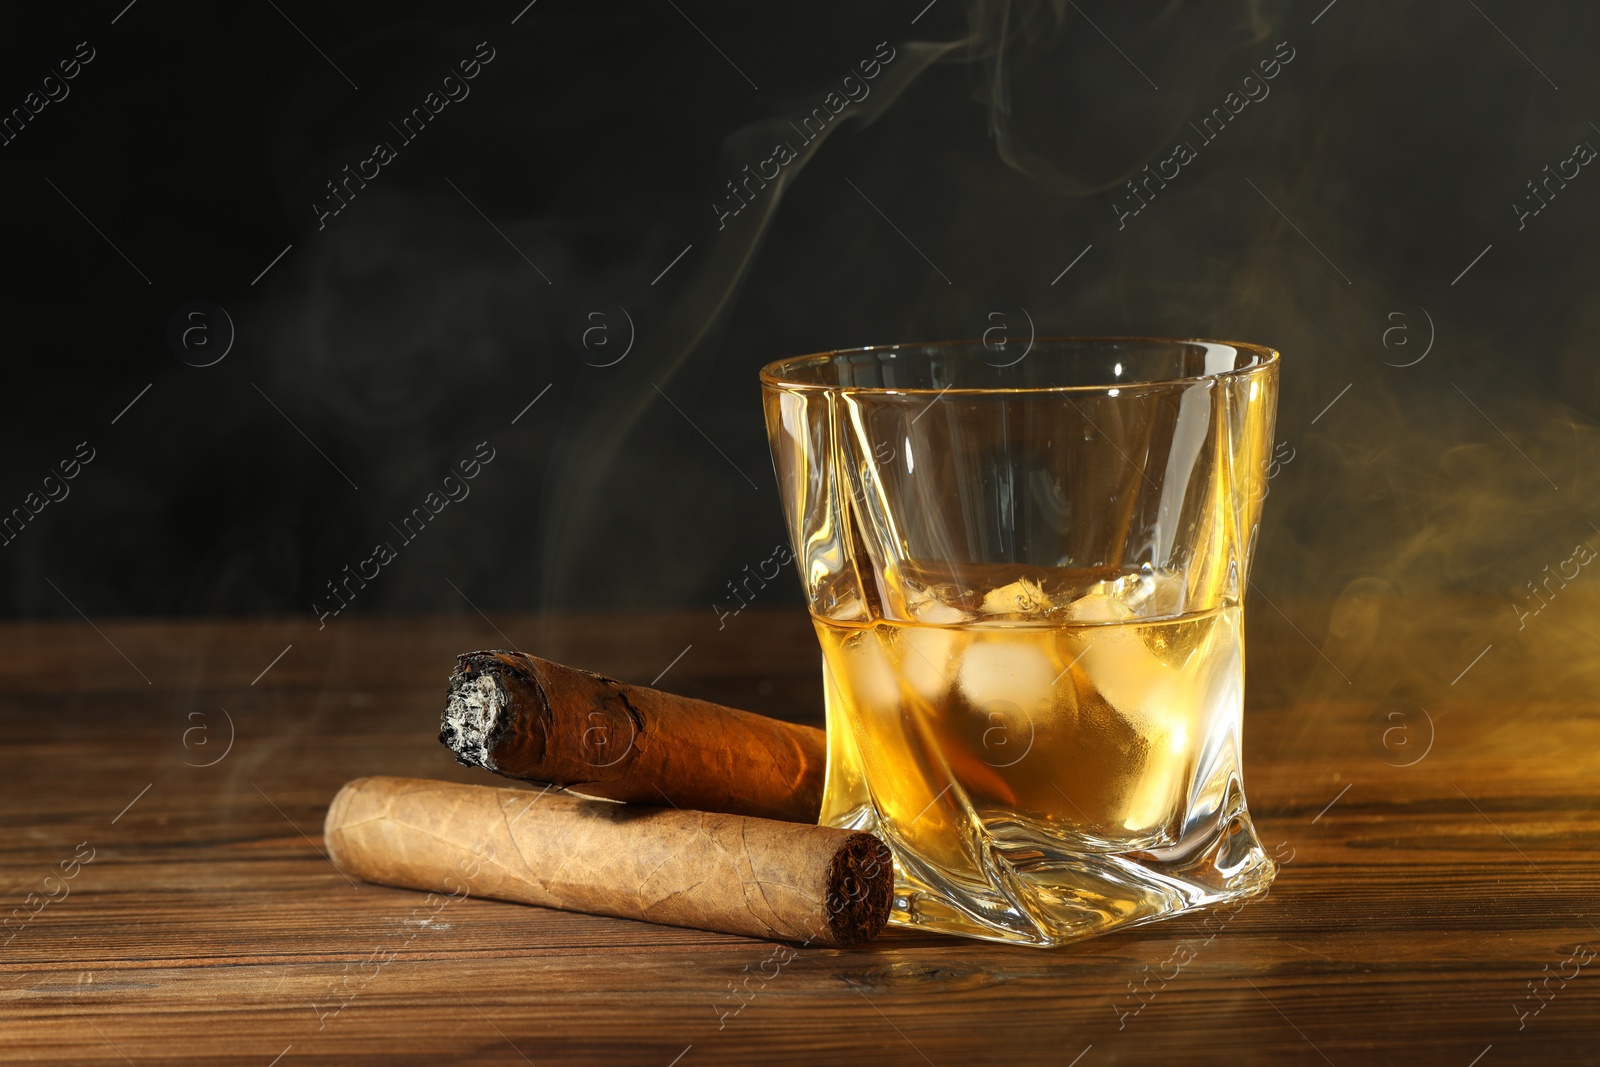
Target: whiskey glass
x: 1026, y: 567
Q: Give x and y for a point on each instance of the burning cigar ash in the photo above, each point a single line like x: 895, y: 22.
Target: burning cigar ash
x: 472, y: 722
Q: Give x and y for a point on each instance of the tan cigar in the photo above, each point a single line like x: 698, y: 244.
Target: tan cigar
x: 529, y: 718
x: 729, y: 873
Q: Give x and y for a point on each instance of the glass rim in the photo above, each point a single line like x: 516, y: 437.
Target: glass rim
x: 779, y: 373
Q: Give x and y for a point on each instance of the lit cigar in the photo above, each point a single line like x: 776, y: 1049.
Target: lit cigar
x: 529, y: 718
x: 729, y: 873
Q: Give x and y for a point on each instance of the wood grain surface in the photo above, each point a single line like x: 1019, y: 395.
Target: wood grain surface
x: 164, y: 790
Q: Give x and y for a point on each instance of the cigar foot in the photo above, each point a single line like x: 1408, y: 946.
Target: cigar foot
x: 858, y: 908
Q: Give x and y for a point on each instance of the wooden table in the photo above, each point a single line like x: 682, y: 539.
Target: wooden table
x: 203, y: 924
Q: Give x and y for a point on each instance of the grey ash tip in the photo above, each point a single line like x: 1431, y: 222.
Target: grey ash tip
x: 471, y: 724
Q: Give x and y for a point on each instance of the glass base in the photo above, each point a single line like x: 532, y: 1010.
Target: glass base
x: 1037, y: 893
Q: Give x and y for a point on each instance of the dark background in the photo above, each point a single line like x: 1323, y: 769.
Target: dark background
x: 453, y: 290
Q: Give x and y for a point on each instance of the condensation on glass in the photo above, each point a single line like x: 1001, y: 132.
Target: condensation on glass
x: 1025, y: 565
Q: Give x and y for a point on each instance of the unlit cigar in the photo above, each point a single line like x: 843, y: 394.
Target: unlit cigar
x: 528, y: 718
x: 729, y: 873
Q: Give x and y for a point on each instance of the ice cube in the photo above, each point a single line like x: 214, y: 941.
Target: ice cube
x: 871, y: 679
x: 1128, y: 675
x: 938, y: 613
x: 1022, y: 597
x: 1014, y: 668
x: 1143, y: 594
x: 1099, y: 605
x: 929, y: 655
x: 933, y: 605
x: 1144, y: 691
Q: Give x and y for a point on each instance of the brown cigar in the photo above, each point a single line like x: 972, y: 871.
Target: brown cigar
x: 525, y: 717
x: 728, y: 873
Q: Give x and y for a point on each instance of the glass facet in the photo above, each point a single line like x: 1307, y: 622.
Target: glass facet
x: 1025, y: 565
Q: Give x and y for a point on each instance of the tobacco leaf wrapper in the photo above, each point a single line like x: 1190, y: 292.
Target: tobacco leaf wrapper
x: 711, y: 871
x: 528, y: 718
